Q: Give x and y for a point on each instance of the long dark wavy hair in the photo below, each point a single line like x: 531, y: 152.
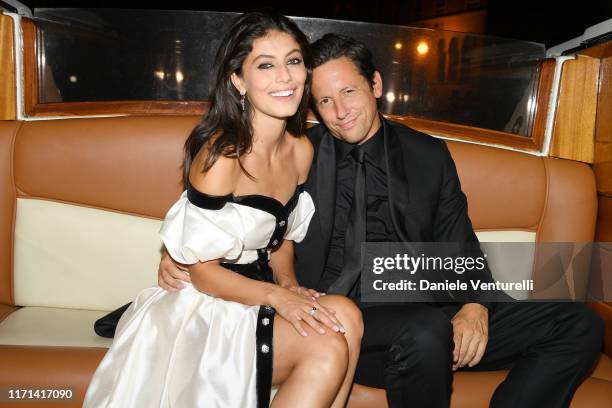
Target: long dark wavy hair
x: 226, y: 128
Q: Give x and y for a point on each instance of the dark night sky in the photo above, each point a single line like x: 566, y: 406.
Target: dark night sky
x: 545, y: 21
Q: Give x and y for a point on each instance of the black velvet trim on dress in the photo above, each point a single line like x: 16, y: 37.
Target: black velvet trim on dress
x: 290, y: 206
x: 264, y: 360
x: 206, y: 201
x: 261, y: 202
x: 258, y: 270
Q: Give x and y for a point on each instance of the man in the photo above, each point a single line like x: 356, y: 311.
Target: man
x: 375, y: 180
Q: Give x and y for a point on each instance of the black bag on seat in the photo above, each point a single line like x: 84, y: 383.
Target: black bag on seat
x: 106, y: 325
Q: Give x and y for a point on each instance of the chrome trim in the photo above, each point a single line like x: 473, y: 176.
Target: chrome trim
x: 19, y: 80
x: 553, y: 103
x: 21, y: 8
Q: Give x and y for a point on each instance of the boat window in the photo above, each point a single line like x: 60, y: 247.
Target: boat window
x: 95, y: 55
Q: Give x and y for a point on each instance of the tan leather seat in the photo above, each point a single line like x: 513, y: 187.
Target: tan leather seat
x: 67, y: 187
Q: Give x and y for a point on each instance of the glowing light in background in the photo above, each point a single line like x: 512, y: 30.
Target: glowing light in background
x: 179, y: 76
x: 398, y: 45
x: 73, y: 79
x: 390, y: 97
x: 422, y: 48
x: 160, y: 74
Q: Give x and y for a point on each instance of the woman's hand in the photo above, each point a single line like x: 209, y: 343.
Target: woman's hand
x: 309, y: 293
x: 299, y: 309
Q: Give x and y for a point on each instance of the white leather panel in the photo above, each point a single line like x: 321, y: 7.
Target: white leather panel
x: 506, y: 236
x: 77, y: 257
x: 509, y: 262
x: 83, y: 258
x: 43, y: 326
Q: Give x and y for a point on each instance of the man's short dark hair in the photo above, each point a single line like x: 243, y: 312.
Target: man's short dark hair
x: 334, y: 46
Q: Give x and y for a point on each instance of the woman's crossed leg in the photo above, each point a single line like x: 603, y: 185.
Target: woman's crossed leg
x: 317, y: 370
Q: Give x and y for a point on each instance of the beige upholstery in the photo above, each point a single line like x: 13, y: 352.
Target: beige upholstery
x: 47, y: 326
x: 510, y: 255
x: 82, y: 258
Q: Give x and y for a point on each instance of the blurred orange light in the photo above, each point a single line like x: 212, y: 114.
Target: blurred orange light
x: 398, y: 45
x: 422, y: 48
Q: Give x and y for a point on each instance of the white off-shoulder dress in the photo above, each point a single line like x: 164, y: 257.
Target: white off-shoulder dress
x: 186, y: 349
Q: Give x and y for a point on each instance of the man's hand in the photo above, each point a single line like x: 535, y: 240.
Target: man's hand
x: 470, y: 334
x: 300, y: 290
x: 170, y: 274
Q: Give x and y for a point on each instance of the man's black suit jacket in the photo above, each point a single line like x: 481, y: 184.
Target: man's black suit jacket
x: 425, y: 197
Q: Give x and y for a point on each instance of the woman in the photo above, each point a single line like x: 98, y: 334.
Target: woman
x: 211, y: 344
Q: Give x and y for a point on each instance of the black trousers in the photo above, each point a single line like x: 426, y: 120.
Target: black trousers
x: 548, y: 347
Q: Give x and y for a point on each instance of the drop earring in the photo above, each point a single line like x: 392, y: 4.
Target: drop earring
x: 242, y: 100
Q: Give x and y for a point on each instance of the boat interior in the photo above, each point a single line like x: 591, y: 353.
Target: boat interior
x: 95, y: 106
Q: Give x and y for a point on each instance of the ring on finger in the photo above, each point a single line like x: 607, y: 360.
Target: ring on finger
x: 312, y: 311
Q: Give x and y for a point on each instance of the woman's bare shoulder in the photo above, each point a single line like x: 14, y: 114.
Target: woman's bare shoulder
x: 219, y: 180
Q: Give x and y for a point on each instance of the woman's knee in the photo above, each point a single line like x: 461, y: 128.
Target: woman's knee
x: 347, y: 312
x: 327, y: 356
x: 335, y: 349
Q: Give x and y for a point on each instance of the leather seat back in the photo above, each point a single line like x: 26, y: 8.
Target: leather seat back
x: 81, y: 203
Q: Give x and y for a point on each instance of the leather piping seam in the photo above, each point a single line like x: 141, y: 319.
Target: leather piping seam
x: 542, y: 215
x: 8, y: 312
x: 507, y: 229
x: 14, y: 213
x: 93, y: 207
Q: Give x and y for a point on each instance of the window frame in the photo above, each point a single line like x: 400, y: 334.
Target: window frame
x: 34, y: 109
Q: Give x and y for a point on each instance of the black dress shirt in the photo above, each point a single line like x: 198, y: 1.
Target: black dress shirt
x: 379, y: 227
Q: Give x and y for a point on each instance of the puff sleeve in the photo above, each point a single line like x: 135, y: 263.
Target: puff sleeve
x: 300, y: 217
x: 193, y: 234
